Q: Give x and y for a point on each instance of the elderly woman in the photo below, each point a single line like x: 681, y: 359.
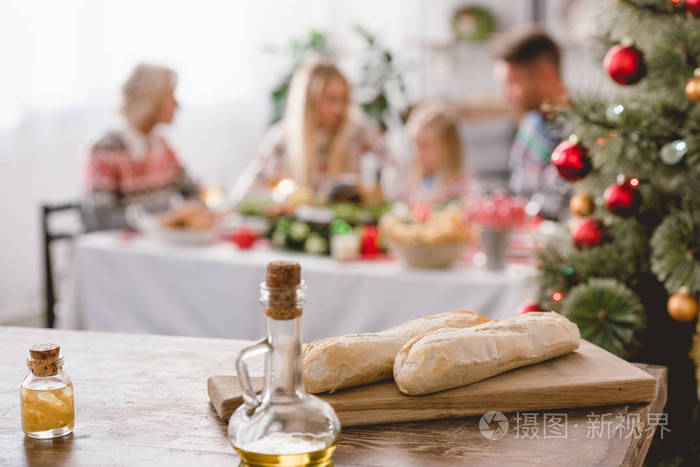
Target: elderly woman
x: 320, y: 138
x: 132, y: 163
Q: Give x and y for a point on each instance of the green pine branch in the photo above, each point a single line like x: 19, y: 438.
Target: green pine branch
x: 607, y: 313
x: 675, y: 257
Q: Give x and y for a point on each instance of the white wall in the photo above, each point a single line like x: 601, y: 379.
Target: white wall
x: 224, y: 80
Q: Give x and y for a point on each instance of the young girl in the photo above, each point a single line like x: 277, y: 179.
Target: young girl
x: 319, y: 138
x: 437, y: 175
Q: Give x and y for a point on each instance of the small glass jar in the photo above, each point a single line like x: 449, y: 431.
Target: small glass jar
x: 46, y: 395
x: 284, y: 425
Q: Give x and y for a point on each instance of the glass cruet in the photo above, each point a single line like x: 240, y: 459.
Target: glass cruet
x: 284, y: 425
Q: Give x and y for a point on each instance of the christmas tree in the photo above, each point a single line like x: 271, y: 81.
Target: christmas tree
x: 629, y: 273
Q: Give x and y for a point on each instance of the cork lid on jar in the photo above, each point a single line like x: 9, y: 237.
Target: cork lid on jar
x: 44, y: 359
x: 283, y: 274
x: 282, y: 280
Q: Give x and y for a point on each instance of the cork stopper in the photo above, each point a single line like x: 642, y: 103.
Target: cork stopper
x: 44, y: 359
x: 283, y: 274
x: 282, y: 280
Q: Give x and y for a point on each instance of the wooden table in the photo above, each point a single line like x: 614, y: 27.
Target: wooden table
x: 142, y: 400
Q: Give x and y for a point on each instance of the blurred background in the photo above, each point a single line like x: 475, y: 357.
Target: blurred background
x: 62, y: 64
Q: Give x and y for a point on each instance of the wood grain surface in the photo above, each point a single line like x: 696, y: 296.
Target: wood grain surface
x: 142, y: 400
x: 587, y: 377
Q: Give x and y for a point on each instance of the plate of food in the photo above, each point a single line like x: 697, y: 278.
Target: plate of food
x: 189, y: 223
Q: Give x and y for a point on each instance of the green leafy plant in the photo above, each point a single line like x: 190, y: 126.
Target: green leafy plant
x: 380, y: 90
x: 382, y: 83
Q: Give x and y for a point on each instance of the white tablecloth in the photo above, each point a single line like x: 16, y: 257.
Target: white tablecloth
x: 144, y: 286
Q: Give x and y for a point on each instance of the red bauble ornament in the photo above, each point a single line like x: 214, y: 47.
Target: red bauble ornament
x: 693, y: 7
x: 625, y: 64
x: 571, y: 160
x: 528, y: 307
x: 589, y: 232
x: 622, y: 199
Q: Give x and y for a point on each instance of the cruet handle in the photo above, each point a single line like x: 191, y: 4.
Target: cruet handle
x: 250, y: 397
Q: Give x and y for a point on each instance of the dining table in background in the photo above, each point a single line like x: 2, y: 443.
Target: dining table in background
x: 142, y: 400
x: 137, y: 284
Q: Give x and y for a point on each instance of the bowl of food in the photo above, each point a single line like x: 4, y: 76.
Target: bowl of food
x: 435, y: 241
x: 187, y: 223
x: 428, y: 256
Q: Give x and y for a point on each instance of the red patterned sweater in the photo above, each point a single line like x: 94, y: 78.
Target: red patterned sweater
x: 124, y: 168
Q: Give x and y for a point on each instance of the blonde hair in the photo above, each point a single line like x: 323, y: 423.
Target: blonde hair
x: 143, y: 92
x: 302, y: 123
x: 441, y: 119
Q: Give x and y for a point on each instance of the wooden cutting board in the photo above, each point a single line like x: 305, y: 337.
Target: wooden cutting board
x: 587, y: 377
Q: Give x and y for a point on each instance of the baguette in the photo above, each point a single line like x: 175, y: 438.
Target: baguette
x: 447, y: 358
x: 345, y: 361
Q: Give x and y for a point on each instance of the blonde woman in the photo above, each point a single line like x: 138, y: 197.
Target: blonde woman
x: 319, y: 138
x: 132, y: 163
x: 437, y: 174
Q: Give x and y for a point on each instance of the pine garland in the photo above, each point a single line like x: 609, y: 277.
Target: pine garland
x: 607, y: 314
x: 675, y: 257
x: 562, y: 267
x: 632, y: 143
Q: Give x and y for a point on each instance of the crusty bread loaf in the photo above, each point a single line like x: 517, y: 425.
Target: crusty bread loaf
x: 345, y: 361
x: 447, y: 358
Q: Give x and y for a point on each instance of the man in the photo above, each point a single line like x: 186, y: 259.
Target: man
x: 528, y: 66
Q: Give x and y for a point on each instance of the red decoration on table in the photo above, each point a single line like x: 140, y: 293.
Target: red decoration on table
x: 421, y: 212
x: 498, y: 212
x: 589, y: 232
x: 571, y: 160
x: 693, y: 7
x: 370, y: 241
x: 530, y: 307
x: 625, y: 64
x: 622, y: 198
x: 126, y: 235
x: 244, y: 238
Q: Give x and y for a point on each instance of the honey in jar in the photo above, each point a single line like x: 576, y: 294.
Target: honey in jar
x: 46, y: 395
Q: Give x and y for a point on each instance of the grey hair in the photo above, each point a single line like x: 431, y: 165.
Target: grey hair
x: 143, y: 91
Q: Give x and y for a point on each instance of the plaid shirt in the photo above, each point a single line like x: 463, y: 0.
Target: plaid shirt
x: 531, y: 174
